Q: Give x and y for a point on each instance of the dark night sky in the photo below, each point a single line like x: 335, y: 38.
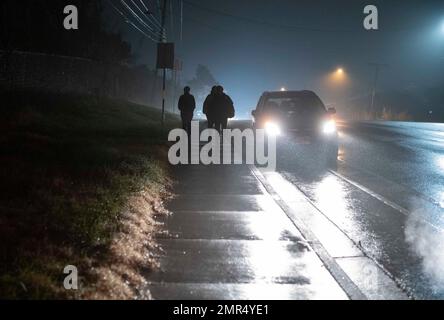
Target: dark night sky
x: 249, y: 58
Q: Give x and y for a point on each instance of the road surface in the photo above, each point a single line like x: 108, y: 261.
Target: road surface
x: 227, y: 239
x: 386, y: 196
x: 371, y: 228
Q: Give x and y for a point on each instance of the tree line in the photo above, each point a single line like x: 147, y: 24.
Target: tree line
x: 37, y: 26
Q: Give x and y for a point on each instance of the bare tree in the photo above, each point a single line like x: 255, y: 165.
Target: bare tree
x: 202, y: 82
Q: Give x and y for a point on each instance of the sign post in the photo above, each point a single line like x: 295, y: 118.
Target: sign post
x: 165, y: 60
x: 165, y: 57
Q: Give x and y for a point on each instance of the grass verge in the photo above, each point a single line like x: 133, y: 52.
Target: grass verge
x: 80, y: 181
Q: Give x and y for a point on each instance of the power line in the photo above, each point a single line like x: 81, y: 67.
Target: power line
x: 131, y: 23
x: 262, y: 22
x: 150, y: 30
x: 150, y: 14
x: 146, y: 14
x: 143, y: 13
x: 145, y: 7
x: 138, y: 18
x: 135, y: 14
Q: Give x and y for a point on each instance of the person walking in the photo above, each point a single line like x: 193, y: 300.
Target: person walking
x: 208, y: 108
x: 224, y: 109
x: 187, y: 105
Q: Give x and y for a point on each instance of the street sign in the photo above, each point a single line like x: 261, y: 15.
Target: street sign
x: 165, y: 56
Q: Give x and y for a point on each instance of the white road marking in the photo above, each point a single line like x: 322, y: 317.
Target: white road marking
x: 381, y: 198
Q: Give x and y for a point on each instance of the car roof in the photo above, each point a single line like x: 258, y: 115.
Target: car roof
x: 304, y: 95
x: 289, y: 94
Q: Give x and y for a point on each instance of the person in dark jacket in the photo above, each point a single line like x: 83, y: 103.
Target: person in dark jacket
x: 208, y: 107
x: 224, y: 109
x: 187, y: 105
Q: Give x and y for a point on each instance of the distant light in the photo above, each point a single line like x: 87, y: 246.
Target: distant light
x: 340, y: 71
x: 283, y: 89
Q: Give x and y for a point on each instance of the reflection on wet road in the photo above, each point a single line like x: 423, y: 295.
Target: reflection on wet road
x: 386, y: 195
x: 226, y: 238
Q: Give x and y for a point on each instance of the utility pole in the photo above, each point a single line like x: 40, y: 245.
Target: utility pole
x: 181, y: 22
x: 178, y: 68
x: 377, y: 67
x: 162, y: 38
x: 174, y: 90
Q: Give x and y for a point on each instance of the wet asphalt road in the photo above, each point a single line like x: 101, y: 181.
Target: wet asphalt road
x: 386, y: 195
x: 375, y: 220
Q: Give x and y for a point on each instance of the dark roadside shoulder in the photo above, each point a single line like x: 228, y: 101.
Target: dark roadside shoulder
x: 81, y: 179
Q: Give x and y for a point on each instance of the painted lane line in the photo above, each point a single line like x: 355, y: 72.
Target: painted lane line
x: 418, y: 194
x: 340, y: 276
x: 381, y: 198
x: 398, y: 283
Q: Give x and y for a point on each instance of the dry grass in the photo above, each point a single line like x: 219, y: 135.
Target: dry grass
x: 118, y: 274
x: 80, y: 182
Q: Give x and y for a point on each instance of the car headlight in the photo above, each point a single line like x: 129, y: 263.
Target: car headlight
x: 329, y: 127
x: 272, y: 128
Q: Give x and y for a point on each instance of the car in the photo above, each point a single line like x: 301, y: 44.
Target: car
x: 300, y: 116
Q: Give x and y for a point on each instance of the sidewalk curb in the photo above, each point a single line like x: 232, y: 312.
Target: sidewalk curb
x: 344, y: 281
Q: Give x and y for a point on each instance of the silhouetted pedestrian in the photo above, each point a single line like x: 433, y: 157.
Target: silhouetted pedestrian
x: 224, y: 109
x: 208, y: 107
x: 187, y: 105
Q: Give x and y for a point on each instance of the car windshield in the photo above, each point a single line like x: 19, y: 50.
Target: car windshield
x: 300, y: 105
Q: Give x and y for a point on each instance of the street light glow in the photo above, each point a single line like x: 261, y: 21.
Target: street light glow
x: 336, y: 77
x: 283, y: 89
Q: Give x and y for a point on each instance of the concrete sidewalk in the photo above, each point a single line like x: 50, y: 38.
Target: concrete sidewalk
x: 228, y: 239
